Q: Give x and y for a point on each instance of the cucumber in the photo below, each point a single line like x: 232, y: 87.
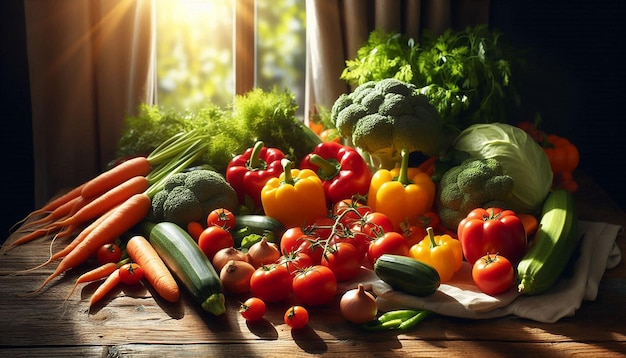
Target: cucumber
x: 188, y: 263
x: 406, y: 274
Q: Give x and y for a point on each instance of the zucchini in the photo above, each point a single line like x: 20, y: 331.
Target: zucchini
x: 188, y: 263
x: 260, y: 225
x: 553, y: 244
x: 407, y: 274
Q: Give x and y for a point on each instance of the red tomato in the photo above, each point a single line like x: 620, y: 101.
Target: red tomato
x: 271, y: 283
x: 492, y: 230
x: 221, y: 217
x: 344, y: 260
x: 296, y: 240
x: 213, y: 239
x: 390, y: 243
x: 349, y: 211
x: 315, y: 285
x: 355, y: 237
x: 109, y: 253
x: 131, y: 273
x: 295, y: 261
x: 321, y: 228
x: 296, y: 317
x: 493, y: 274
x: 253, y: 309
x: 374, y: 224
x: 414, y: 234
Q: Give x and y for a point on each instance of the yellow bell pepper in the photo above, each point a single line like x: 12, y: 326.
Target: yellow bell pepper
x: 295, y: 198
x: 402, y: 194
x: 443, y: 252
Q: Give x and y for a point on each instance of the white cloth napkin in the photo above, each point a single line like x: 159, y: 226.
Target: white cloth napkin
x: 459, y: 297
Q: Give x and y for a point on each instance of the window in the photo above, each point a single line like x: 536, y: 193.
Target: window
x: 195, y: 42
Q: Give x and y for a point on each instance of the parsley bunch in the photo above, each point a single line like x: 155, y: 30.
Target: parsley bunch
x: 467, y: 75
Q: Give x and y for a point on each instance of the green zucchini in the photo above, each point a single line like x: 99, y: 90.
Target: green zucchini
x: 188, y: 263
x: 406, y: 274
x: 259, y: 225
x: 553, y: 245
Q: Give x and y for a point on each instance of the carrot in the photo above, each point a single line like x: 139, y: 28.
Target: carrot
x: 138, y: 166
x: 530, y: 222
x: 109, y: 283
x: 56, y: 214
x: 120, y: 220
x: 428, y: 165
x: 106, y: 201
x: 54, y: 204
x: 155, y: 271
x: 98, y: 273
x: 26, y: 238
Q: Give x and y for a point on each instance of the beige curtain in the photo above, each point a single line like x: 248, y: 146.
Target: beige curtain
x: 91, y: 62
x: 336, y: 29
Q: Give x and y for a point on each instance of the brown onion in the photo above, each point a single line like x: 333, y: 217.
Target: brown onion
x: 221, y: 258
x: 235, y: 276
x: 263, y: 253
x: 358, y: 305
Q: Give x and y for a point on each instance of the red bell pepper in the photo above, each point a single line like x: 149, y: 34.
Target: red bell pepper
x: 247, y: 173
x: 342, y: 169
x: 492, y: 231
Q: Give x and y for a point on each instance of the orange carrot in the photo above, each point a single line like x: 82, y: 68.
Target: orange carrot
x: 138, y: 166
x: 120, y: 220
x: 109, y: 283
x: 530, y: 222
x: 155, y: 271
x: 26, y: 238
x: 98, y: 273
x: 428, y: 165
x: 106, y: 201
x: 56, y: 214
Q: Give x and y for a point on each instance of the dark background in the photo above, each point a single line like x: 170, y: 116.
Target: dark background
x: 577, y: 82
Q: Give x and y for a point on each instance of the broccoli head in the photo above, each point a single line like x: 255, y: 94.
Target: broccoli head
x: 472, y: 184
x: 191, y: 196
x: 383, y: 117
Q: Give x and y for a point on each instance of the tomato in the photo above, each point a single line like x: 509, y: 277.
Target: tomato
x: 321, y: 228
x: 343, y: 259
x: 315, y: 285
x: 492, y: 230
x: 131, y: 273
x: 374, y: 224
x: 109, y: 253
x: 295, y: 261
x: 355, y: 237
x: 493, y: 274
x: 296, y: 317
x: 349, y: 211
x: 221, y: 217
x: 296, y: 240
x: 390, y: 243
x: 414, y: 234
x: 253, y: 309
x: 271, y: 283
x: 213, y: 239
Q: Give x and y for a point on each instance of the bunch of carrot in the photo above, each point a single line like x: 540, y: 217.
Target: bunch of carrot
x: 108, y: 205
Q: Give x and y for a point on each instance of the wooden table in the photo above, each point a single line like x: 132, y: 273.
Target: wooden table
x: 133, y: 323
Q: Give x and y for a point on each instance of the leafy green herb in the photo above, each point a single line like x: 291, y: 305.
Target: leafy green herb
x: 467, y: 75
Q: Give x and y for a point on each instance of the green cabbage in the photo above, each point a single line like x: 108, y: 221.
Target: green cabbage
x: 521, y: 157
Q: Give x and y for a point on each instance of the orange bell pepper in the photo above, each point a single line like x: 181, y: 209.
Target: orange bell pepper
x: 295, y: 198
x: 443, y: 252
x: 403, y: 194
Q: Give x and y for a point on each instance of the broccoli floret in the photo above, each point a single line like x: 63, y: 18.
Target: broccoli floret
x: 383, y: 117
x: 191, y: 196
x: 472, y: 184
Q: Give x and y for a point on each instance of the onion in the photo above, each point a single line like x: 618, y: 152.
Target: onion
x: 358, y: 305
x: 263, y: 253
x: 235, y: 276
x: 221, y: 258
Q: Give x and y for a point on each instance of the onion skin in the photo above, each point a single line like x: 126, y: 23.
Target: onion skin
x: 358, y: 305
x: 235, y: 276
x: 263, y: 253
x: 221, y: 258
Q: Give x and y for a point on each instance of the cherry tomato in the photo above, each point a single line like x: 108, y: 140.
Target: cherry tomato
x: 343, y: 259
x: 109, y: 253
x: 296, y: 240
x: 131, y: 273
x: 349, y: 211
x: 221, y: 217
x: 271, y: 283
x: 355, y: 237
x: 390, y: 243
x: 253, y: 309
x: 315, y: 285
x: 296, y: 317
x: 213, y: 239
x: 493, y: 274
x: 295, y: 261
x: 321, y: 228
x: 374, y: 224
